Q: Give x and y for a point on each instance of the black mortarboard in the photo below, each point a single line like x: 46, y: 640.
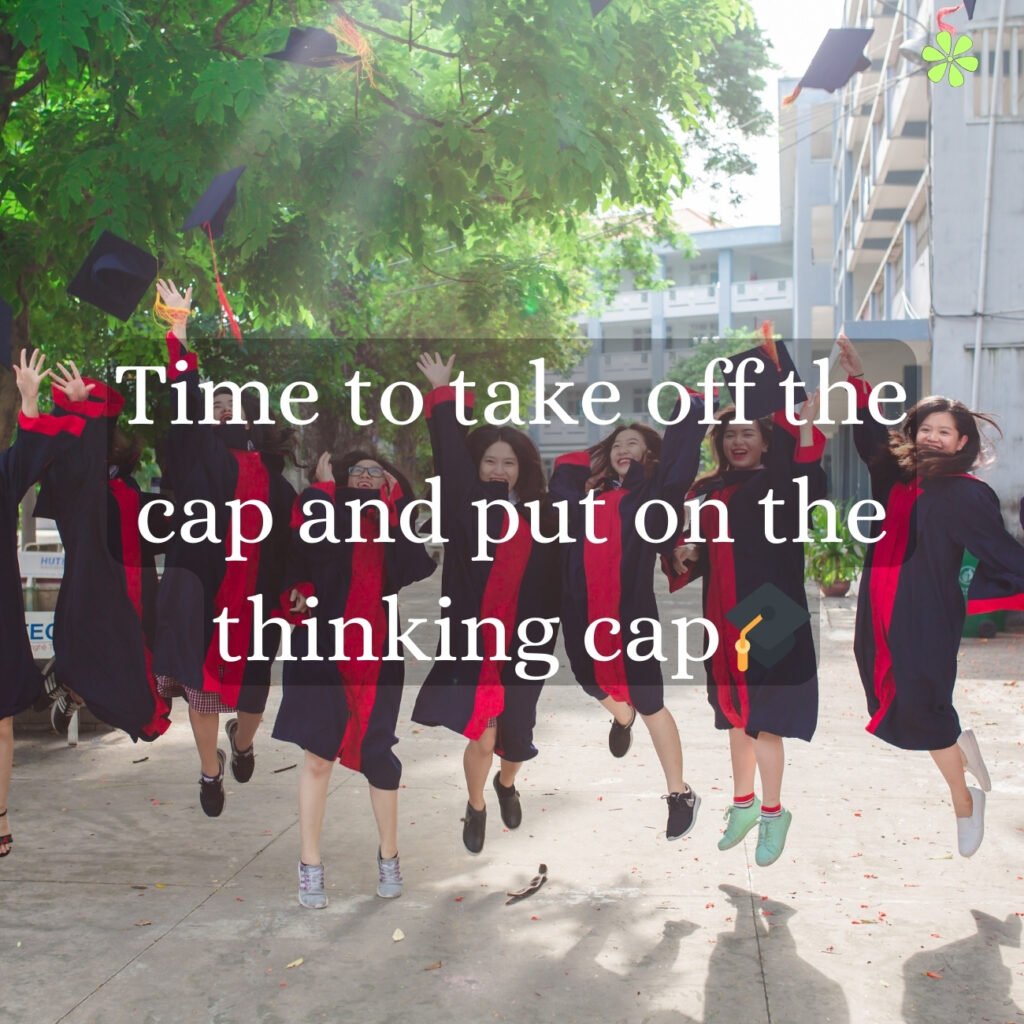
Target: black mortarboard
x: 597, y: 6
x: 969, y: 4
x: 839, y: 58
x: 772, y: 638
x: 313, y: 47
x: 115, y: 276
x: 765, y: 394
x: 6, y: 330
x: 216, y: 203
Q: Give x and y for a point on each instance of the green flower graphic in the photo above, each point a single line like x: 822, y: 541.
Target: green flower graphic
x: 951, y: 58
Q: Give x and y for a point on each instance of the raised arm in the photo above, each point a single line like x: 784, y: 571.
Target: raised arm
x: 452, y: 461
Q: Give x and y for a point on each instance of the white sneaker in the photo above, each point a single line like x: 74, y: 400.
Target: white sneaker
x: 970, y: 831
x: 968, y: 743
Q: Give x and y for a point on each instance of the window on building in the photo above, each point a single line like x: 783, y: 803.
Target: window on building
x: 922, y: 233
x: 1010, y: 97
x: 913, y: 384
x: 640, y: 396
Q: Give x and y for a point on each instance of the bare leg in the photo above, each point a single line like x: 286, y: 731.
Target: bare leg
x: 205, y: 729
x: 476, y: 763
x: 509, y: 771
x: 744, y: 762
x: 6, y: 766
x: 385, y: 810
x: 951, y: 764
x: 619, y: 709
x: 669, y: 748
x: 313, y: 782
x: 771, y: 762
x: 248, y: 723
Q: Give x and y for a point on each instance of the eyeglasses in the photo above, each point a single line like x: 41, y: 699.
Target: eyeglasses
x: 373, y: 472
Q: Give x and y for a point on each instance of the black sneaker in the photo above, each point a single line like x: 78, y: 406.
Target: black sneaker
x: 620, y: 737
x: 473, y: 829
x: 243, y: 762
x: 508, y: 801
x: 51, y: 687
x: 63, y: 710
x: 682, y: 813
x: 211, y: 791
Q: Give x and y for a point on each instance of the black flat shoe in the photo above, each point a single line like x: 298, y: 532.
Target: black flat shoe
x: 243, y: 762
x: 473, y: 829
x: 508, y: 801
x: 620, y: 737
x: 211, y: 791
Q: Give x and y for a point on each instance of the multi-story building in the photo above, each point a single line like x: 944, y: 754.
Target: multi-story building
x: 737, y: 278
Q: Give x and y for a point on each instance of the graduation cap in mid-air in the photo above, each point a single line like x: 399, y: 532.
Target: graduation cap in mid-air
x: 211, y: 214
x: 6, y: 332
x: 767, y: 621
x: 115, y: 276
x: 765, y: 393
x: 970, y: 4
x: 597, y: 6
x: 839, y: 58
x: 313, y: 48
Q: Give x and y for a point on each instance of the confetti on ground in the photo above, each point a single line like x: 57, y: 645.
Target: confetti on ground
x: 933, y: 974
x: 142, y: 924
x: 295, y: 963
x: 398, y: 935
x: 286, y: 768
x: 140, y: 760
x: 435, y: 966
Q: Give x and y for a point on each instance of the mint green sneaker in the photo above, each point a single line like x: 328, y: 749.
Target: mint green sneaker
x: 771, y: 838
x: 741, y: 821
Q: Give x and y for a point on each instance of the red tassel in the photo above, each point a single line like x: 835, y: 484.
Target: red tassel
x: 943, y: 25
x: 792, y: 97
x: 236, y: 331
x: 768, y: 346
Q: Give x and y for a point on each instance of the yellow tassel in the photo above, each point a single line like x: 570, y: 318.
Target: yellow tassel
x: 346, y: 32
x: 170, y: 315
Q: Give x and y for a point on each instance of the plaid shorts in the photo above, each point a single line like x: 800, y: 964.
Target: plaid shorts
x: 199, y: 700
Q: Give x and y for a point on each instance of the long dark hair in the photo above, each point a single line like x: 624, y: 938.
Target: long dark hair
x: 270, y: 438
x: 341, y: 464
x: 707, y: 481
x: 917, y: 462
x: 601, y: 454
x: 532, y: 484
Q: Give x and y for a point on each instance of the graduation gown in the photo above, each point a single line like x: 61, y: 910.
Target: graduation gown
x: 347, y: 709
x: 781, y: 699
x: 198, y: 583
x: 39, y: 440
x: 615, y: 580
x: 106, y: 609
x: 910, y: 609
x: 518, y: 581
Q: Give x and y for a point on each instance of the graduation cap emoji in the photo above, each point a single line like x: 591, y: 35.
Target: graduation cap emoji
x: 767, y: 621
x: 839, y: 58
x: 313, y: 48
x: 764, y: 393
x: 215, y: 203
x: 115, y: 276
x: 6, y: 332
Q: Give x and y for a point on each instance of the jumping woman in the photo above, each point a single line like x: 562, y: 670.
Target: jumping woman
x: 39, y: 439
x: 758, y: 704
x: 217, y: 463
x: 608, y: 581
x: 346, y: 708
x: 493, y: 703
x: 910, y: 609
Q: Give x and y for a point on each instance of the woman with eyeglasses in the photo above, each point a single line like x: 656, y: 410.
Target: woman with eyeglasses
x: 489, y: 701
x: 219, y: 463
x: 343, y: 706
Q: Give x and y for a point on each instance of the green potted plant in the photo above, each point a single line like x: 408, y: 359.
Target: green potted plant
x: 833, y: 565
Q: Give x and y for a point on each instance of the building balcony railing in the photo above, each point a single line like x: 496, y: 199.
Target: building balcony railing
x: 691, y: 300
x: 629, y: 305
x: 625, y: 365
x: 749, y: 296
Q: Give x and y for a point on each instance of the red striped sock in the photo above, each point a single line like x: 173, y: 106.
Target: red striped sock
x: 744, y: 801
x: 771, y: 812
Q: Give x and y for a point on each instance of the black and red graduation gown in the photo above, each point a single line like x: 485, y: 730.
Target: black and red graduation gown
x: 105, y: 618
x: 781, y: 699
x: 519, y: 580
x: 347, y: 709
x: 214, y: 463
x: 910, y: 609
x: 615, y: 580
x: 39, y: 440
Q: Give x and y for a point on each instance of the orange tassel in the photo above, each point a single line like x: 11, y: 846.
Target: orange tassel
x: 170, y: 315
x: 768, y: 345
x: 346, y: 32
x: 793, y: 96
x: 236, y: 331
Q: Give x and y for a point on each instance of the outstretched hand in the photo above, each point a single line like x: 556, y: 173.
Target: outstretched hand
x: 70, y: 382
x: 170, y: 296
x: 435, y: 369
x: 848, y: 358
x: 29, y: 374
x: 324, y: 469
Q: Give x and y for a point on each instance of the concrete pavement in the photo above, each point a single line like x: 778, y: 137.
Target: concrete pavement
x: 122, y: 902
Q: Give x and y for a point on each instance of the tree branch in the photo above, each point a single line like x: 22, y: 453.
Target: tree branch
x: 218, y: 31
x: 405, y: 110
x: 29, y: 84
